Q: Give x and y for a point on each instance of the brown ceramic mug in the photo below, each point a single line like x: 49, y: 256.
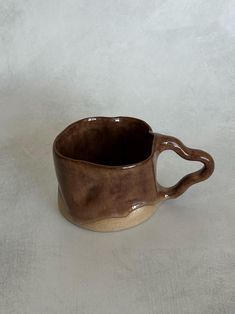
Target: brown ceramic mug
x: 106, y: 170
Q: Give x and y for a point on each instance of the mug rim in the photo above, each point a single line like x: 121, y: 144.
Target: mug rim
x: 94, y: 118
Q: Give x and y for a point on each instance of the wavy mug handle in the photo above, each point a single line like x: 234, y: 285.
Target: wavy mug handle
x: 165, y: 142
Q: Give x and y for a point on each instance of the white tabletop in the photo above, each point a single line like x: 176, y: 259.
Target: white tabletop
x: 170, y: 63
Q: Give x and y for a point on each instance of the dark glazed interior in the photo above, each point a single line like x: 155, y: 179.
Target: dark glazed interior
x: 106, y: 141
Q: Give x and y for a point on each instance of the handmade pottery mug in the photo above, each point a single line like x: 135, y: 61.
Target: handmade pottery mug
x: 106, y: 170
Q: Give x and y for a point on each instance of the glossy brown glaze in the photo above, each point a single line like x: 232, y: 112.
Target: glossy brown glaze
x: 106, y: 168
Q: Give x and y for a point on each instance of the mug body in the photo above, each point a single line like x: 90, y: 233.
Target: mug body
x: 106, y: 172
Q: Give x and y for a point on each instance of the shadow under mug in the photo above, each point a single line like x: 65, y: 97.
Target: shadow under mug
x: 106, y: 170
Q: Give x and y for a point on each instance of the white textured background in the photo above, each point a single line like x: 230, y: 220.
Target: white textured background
x: 171, y: 63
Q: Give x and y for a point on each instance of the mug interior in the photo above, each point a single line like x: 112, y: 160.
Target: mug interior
x: 106, y: 141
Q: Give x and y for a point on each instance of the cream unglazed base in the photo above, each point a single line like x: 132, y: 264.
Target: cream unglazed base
x: 136, y: 217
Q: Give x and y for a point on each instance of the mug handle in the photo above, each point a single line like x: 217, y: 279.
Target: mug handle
x: 165, y: 142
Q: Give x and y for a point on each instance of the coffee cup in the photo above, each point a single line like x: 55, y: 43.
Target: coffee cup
x: 106, y: 170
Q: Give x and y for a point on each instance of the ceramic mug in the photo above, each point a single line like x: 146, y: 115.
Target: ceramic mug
x: 106, y: 170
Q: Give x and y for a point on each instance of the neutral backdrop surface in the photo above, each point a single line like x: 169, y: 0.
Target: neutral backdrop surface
x: 171, y: 63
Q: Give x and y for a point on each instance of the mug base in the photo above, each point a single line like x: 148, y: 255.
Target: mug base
x: 135, y: 218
